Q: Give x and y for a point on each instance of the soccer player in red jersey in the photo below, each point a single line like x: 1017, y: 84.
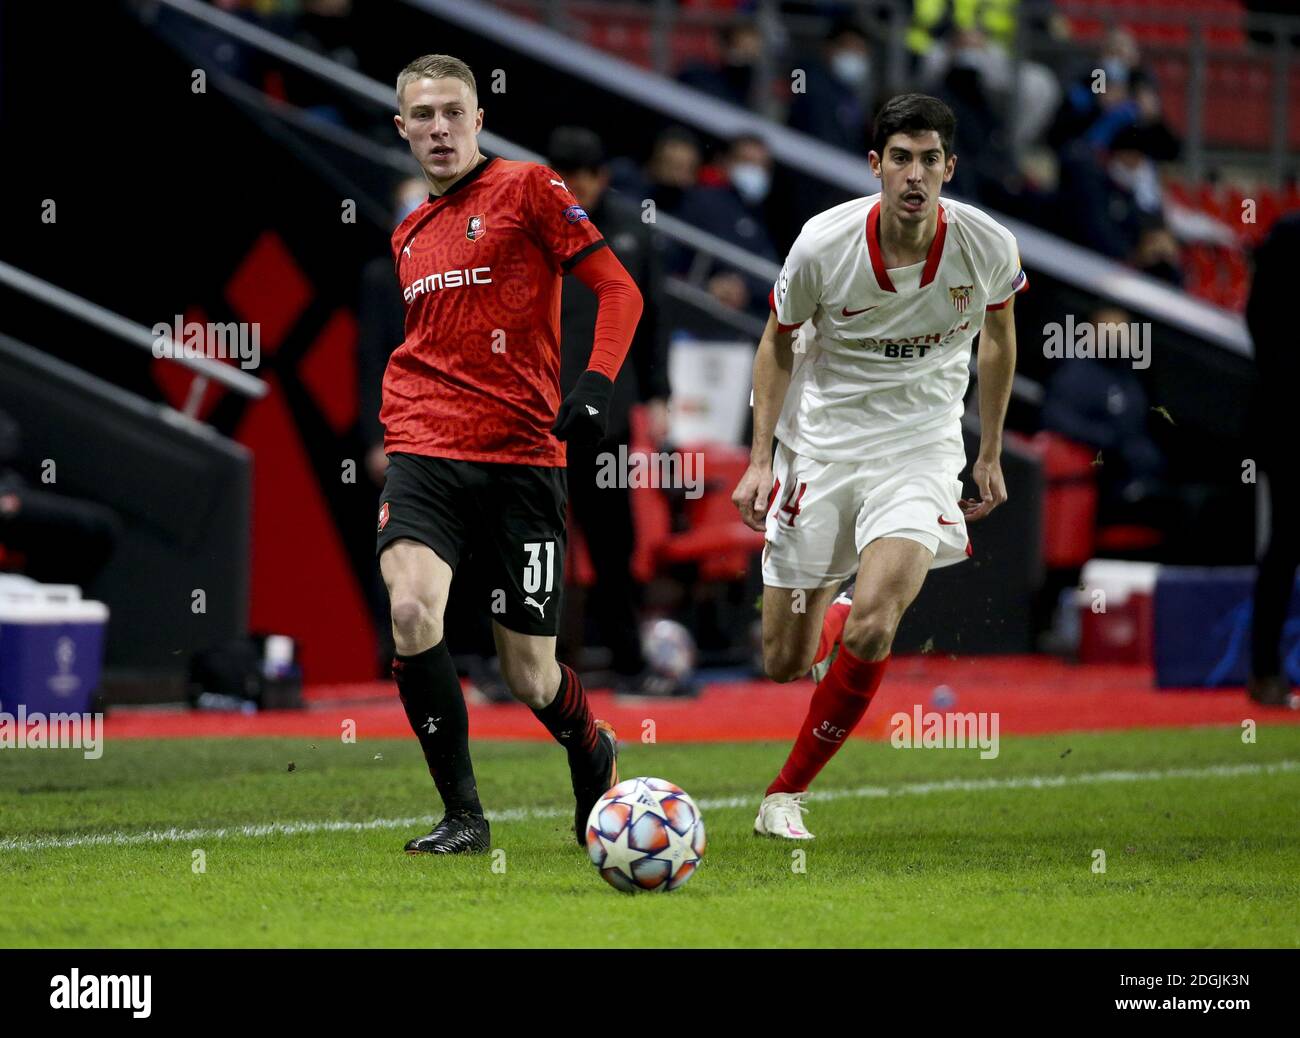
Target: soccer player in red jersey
x: 473, y: 425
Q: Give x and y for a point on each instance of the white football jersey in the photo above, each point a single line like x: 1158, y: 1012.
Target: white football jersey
x: 886, y: 356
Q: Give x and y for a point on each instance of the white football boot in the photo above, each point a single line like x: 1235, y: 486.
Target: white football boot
x: 781, y: 815
x: 820, y: 668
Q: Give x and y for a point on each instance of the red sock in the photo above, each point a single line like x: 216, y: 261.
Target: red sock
x: 837, y: 706
x: 568, y: 717
x: 832, y: 627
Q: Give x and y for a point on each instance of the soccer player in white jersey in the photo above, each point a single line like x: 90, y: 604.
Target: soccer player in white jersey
x: 860, y: 376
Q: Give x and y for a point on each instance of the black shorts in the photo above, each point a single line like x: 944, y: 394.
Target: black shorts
x: 512, y: 517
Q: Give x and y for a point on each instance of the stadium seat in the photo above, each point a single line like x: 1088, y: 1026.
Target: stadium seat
x: 1071, y: 534
x: 578, y: 570
x: 1160, y: 29
x: 716, y: 540
x: 715, y: 537
x: 1070, y: 500
x: 1125, y: 538
x: 10, y: 561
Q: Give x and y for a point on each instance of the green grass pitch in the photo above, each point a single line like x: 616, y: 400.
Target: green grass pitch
x: 930, y: 848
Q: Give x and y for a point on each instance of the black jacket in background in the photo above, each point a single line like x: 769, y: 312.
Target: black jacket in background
x: 1270, y: 318
x: 8, y: 439
x: 381, y: 320
x: 644, y: 375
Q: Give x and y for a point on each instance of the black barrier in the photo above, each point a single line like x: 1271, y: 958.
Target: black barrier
x: 985, y: 604
x: 378, y: 988
x: 180, y: 490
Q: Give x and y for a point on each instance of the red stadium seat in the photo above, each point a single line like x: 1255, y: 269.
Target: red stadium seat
x: 716, y: 538
x: 717, y: 541
x: 1123, y: 538
x: 1069, y: 501
x: 578, y: 570
x: 650, y: 513
x: 1071, y: 535
x: 11, y: 561
x: 1158, y: 29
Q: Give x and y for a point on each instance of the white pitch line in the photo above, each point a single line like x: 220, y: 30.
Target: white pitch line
x: 120, y: 839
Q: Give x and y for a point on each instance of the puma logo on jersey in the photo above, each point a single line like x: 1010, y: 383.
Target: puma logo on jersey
x: 561, y: 183
x: 407, y: 249
x: 539, y: 606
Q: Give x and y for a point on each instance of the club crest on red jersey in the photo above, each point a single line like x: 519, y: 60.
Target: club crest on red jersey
x: 476, y: 228
x: 960, y: 296
x: 383, y: 516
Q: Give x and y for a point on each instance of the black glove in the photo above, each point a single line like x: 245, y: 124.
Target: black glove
x: 584, y: 414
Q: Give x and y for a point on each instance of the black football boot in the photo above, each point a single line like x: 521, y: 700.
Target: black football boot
x: 459, y: 832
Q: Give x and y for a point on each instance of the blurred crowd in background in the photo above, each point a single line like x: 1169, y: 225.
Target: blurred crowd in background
x: 1082, y: 147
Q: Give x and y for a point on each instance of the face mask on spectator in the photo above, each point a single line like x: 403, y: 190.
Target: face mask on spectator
x: 851, y: 68
x: 1116, y: 72
x: 751, y: 181
x: 1142, y: 181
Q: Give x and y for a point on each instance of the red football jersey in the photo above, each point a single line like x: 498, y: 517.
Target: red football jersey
x: 477, y: 377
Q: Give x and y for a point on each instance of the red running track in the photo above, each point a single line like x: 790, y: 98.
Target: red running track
x: 1031, y: 694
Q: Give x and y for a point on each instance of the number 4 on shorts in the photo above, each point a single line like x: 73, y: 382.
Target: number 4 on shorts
x: 791, y: 504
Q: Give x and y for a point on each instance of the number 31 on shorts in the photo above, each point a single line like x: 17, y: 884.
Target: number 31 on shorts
x: 533, y: 570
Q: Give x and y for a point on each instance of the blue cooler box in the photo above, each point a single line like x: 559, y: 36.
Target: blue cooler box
x: 1203, y: 624
x: 51, y: 646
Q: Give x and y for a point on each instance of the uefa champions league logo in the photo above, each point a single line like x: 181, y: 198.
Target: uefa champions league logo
x: 64, y: 683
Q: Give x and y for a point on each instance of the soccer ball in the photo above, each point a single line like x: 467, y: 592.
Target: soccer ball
x: 668, y: 647
x: 645, y: 834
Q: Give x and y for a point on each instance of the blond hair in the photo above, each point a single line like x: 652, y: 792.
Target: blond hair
x: 435, y: 66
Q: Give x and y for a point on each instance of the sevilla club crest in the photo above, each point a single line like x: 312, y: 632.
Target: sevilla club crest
x: 383, y: 516
x: 960, y: 296
x: 476, y: 228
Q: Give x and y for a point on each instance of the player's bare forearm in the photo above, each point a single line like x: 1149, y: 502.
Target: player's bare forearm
x: 997, y: 368
x: 772, y: 366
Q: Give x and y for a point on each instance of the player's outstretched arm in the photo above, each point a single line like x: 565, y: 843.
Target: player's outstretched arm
x: 997, y: 367
x: 584, y: 414
x: 772, y: 366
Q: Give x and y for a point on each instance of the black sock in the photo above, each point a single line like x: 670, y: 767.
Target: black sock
x: 430, y: 692
x: 568, y: 718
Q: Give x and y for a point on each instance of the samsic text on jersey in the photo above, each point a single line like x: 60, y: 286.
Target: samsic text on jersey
x: 477, y: 376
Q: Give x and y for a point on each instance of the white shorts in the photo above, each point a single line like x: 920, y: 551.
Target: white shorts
x: 823, y: 513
